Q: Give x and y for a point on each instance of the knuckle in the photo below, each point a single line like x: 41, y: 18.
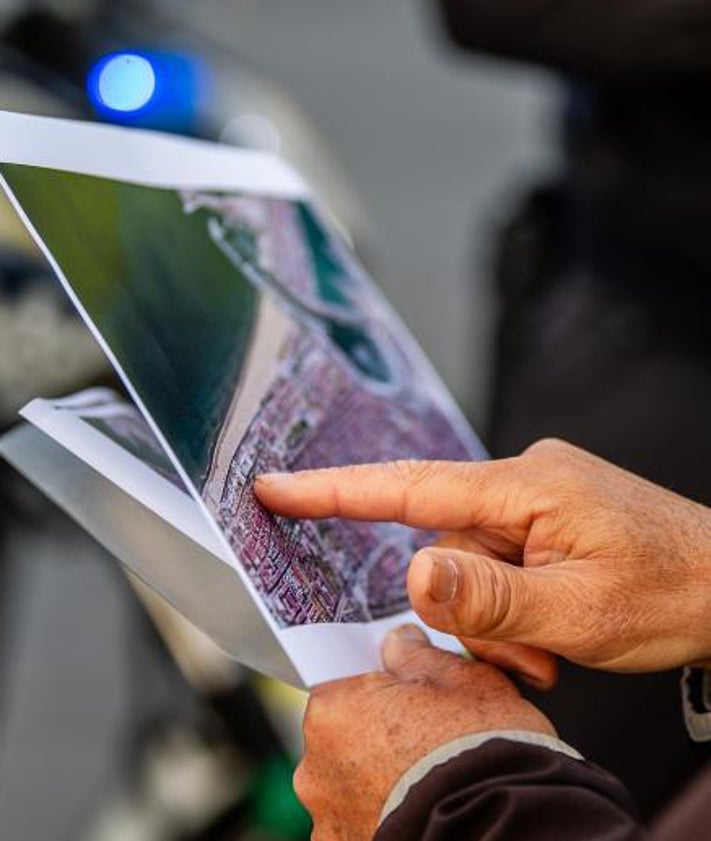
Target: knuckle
x: 549, y: 447
x: 330, y: 706
x: 313, y: 718
x: 301, y: 783
x: 410, y: 475
x: 412, y: 472
x: 560, y: 472
x: 487, y: 601
x: 306, y: 787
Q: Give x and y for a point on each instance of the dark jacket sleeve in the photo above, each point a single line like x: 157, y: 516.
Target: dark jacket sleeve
x: 623, y: 40
x: 506, y: 791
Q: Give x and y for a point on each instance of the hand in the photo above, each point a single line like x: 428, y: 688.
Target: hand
x: 555, y: 549
x: 362, y: 734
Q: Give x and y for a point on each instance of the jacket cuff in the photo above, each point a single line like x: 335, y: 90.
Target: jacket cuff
x: 451, y: 750
x: 506, y: 788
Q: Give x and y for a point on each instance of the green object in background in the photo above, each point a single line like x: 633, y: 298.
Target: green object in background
x: 276, y: 811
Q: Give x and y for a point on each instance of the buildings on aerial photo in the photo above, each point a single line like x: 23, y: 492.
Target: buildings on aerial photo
x: 344, y: 388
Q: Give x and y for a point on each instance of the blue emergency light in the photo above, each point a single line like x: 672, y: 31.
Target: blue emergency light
x: 124, y: 83
x: 149, y: 89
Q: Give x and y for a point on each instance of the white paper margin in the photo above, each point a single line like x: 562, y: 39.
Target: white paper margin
x: 144, y: 157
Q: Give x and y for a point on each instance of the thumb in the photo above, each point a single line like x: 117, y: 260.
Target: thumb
x: 409, y: 656
x: 472, y: 595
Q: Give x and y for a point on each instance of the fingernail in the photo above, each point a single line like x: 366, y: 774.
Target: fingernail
x: 274, y: 478
x: 444, y: 579
x: 410, y: 633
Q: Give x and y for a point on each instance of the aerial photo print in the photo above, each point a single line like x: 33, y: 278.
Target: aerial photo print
x: 256, y: 342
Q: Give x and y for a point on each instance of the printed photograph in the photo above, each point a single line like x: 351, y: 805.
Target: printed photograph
x: 256, y: 342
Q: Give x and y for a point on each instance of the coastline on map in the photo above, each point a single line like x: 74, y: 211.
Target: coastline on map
x: 271, y: 329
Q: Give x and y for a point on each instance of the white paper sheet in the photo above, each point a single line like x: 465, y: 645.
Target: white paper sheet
x: 250, y: 339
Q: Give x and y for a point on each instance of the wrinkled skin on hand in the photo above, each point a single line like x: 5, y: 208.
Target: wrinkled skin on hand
x: 552, y: 552
x: 362, y: 734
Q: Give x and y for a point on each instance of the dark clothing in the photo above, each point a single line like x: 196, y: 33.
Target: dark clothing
x: 629, y: 40
x: 637, y: 130
x: 505, y: 791
x: 605, y: 289
x: 509, y: 791
x: 689, y: 817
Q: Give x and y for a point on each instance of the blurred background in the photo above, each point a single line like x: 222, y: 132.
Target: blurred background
x: 525, y: 206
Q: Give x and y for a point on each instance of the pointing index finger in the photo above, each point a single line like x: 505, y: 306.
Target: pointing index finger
x: 421, y: 494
